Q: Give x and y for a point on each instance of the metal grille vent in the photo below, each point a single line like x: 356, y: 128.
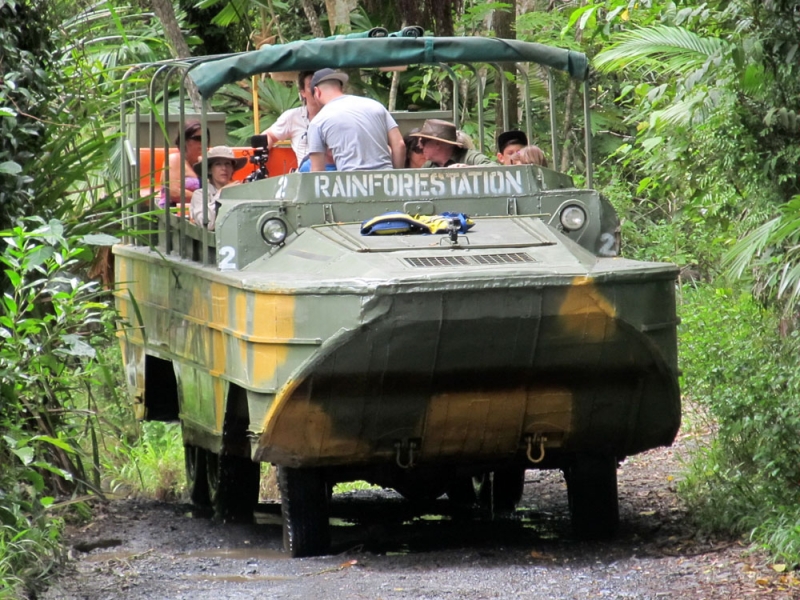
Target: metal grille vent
x: 467, y: 261
x: 502, y: 259
x: 439, y: 261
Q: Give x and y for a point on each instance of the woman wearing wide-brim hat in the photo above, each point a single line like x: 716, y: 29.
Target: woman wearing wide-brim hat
x: 442, y: 148
x: 222, y: 164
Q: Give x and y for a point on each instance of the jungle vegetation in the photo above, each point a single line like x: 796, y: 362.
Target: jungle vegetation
x: 696, y: 125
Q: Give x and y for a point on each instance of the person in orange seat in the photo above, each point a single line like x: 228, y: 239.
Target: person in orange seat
x: 221, y: 166
x: 190, y: 154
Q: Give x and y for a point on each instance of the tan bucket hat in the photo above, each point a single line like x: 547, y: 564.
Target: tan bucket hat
x: 441, y: 131
x: 218, y: 153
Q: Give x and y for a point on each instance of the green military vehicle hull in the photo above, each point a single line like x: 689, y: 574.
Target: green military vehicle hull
x: 419, y: 362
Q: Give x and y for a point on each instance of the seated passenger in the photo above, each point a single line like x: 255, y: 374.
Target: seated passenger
x: 189, y: 154
x: 414, y: 158
x: 508, y: 143
x: 360, y: 131
x: 221, y: 166
x: 441, y: 148
x: 529, y: 155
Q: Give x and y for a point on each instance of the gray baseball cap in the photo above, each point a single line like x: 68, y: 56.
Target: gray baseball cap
x: 328, y: 75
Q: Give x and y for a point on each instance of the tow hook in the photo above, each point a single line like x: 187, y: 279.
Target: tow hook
x: 537, y: 439
x: 406, y: 452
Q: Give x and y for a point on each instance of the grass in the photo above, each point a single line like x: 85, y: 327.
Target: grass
x: 152, y: 466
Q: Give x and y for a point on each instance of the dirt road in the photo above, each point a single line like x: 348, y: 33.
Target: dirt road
x: 384, y: 549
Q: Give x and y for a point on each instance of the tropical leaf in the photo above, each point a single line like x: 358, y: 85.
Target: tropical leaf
x: 662, y: 49
x: 773, y: 247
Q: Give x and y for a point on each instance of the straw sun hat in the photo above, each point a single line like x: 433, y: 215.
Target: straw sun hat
x: 221, y: 153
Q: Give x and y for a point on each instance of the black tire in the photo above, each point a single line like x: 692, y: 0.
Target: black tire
x: 194, y: 459
x: 461, y: 492
x: 592, y: 495
x: 233, y: 483
x: 305, y: 510
x: 501, y: 490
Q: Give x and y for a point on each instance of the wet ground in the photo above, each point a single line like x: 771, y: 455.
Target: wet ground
x: 385, y: 549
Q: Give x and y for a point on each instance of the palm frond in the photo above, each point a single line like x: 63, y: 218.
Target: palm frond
x: 744, y: 252
x: 663, y: 49
x: 693, y: 109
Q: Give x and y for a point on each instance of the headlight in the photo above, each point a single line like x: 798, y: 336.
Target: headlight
x: 573, y: 218
x: 273, y: 231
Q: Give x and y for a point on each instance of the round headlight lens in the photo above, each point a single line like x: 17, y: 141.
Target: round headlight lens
x: 273, y: 231
x: 573, y: 218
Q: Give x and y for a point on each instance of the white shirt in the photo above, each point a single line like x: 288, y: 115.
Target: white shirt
x: 196, y: 206
x: 293, y: 125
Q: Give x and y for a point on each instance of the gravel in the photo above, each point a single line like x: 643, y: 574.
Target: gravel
x: 385, y: 549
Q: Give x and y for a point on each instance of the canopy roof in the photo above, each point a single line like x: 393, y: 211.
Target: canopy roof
x: 310, y: 55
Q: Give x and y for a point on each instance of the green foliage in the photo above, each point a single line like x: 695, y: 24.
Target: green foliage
x: 29, y: 538
x: 150, y: 465
x: 743, y: 375
x: 772, y: 244
x: 50, y: 325
x: 353, y: 486
x: 237, y: 102
x: 26, y: 101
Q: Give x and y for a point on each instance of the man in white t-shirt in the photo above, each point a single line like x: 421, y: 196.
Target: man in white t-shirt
x: 293, y: 123
x: 360, y: 132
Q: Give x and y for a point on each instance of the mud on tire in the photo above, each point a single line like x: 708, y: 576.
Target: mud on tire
x: 305, y: 509
x: 195, y: 464
x: 233, y: 483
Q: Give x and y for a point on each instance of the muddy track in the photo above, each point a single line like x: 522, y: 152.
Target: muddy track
x: 385, y: 548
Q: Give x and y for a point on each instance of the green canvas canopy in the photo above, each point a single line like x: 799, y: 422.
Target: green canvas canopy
x: 311, y: 55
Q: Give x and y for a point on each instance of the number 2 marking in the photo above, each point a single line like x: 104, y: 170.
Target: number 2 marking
x: 227, y: 254
x: 607, y: 245
x: 282, y: 183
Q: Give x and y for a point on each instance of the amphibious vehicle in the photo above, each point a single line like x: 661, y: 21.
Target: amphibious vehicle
x: 432, y: 364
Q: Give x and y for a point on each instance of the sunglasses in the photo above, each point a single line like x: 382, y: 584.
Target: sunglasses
x: 196, y: 138
x: 417, y: 149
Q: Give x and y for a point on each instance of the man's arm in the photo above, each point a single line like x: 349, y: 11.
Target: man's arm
x: 280, y: 129
x: 398, y: 148
x: 317, y: 161
x: 272, y: 139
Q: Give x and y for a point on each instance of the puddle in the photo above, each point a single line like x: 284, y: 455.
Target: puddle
x: 237, y: 554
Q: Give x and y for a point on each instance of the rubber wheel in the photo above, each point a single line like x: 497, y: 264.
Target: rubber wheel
x: 194, y: 459
x: 461, y: 492
x: 305, y: 510
x: 501, y: 490
x: 233, y: 483
x: 592, y: 495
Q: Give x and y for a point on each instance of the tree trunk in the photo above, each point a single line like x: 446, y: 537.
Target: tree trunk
x: 313, y: 18
x: 565, y: 137
x: 339, y: 15
x: 503, y: 21
x: 165, y: 12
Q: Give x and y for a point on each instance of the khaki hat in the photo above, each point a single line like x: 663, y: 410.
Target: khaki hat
x: 220, y: 153
x: 441, y: 131
x: 328, y: 75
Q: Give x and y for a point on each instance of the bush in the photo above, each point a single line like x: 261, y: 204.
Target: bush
x: 744, y: 376
x: 50, y: 323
